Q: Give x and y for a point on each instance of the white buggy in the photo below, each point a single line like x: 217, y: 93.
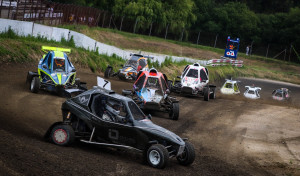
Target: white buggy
x: 252, y: 92
x: 194, y: 81
x: 230, y: 87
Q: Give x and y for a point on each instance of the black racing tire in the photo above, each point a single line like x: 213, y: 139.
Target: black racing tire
x: 77, y: 82
x: 188, y: 155
x: 35, y: 84
x: 62, y: 135
x: 107, y: 72
x: 206, y: 94
x: 174, y: 113
x: 83, y: 86
x: 157, y: 156
x: 213, y: 94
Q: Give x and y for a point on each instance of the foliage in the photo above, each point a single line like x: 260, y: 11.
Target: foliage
x: 178, y: 14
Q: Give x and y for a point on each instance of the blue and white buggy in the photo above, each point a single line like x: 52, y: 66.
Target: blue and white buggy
x: 55, y: 73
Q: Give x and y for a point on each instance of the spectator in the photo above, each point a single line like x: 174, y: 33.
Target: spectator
x: 247, y: 50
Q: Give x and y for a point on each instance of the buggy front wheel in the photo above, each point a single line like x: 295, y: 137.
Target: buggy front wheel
x: 35, y: 84
x: 188, y: 155
x: 62, y: 135
x: 174, y: 113
x: 157, y: 156
x: 107, y: 72
x: 206, y: 94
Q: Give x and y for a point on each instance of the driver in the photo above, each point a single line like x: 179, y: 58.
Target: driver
x: 152, y: 82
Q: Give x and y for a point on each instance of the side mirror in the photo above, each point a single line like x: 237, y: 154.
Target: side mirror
x: 178, y: 77
x: 45, y: 66
x: 168, y: 91
x: 73, y: 70
x: 149, y: 116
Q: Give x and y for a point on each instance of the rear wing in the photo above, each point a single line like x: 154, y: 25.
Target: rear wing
x: 50, y: 48
x: 256, y: 88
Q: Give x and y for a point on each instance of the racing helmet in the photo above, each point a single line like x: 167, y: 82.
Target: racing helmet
x: 152, y: 81
x: 59, y: 62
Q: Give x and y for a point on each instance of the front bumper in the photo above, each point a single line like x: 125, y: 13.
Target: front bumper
x: 188, y: 90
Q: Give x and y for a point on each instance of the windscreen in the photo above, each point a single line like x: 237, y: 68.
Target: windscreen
x: 193, y: 73
x: 142, y: 63
x: 153, y: 82
x: 228, y: 85
x: 251, y: 92
x: 132, y: 62
x: 136, y: 112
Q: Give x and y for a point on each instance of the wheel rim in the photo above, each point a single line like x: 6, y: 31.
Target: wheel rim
x: 32, y: 84
x: 154, y: 157
x: 60, y: 136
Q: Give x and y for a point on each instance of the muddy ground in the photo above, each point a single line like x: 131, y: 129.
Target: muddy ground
x: 231, y: 135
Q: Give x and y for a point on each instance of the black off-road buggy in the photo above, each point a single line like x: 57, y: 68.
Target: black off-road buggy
x: 102, y: 117
x: 130, y: 70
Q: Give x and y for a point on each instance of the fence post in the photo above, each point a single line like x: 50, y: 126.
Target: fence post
x: 150, y: 29
x: 136, y: 21
x: 251, y: 47
x: 166, y: 32
x: 24, y: 10
x: 290, y: 53
x: 121, y: 23
x: 284, y: 54
x: 182, y: 34
x: 1, y: 8
x: 267, y: 50
x: 16, y: 14
x: 198, y: 37
x: 110, y: 20
x: 103, y: 19
x: 9, y: 9
x: 216, y: 40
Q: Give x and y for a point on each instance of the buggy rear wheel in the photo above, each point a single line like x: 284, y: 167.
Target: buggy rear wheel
x: 62, y: 135
x: 35, y: 84
x: 188, y: 155
x: 213, y: 94
x: 107, y: 72
x: 206, y: 94
x: 158, y: 156
x: 174, y: 113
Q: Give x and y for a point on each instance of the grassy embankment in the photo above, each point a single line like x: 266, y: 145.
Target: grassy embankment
x: 18, y: 49
x: 27, y: 49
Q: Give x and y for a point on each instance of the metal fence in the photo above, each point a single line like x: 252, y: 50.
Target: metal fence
x: 276, y: 51
x: 48, y: 13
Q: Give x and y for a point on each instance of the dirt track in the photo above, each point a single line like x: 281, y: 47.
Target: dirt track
x: 231, y: 135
